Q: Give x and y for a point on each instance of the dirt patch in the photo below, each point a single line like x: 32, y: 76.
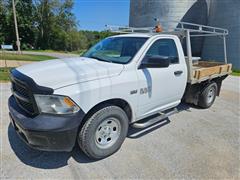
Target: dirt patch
x: 13, y: 63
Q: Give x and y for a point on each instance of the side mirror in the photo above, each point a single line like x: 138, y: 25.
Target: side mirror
x: 155, y: 62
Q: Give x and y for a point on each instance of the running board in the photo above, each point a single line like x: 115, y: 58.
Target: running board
x: 154, y: 120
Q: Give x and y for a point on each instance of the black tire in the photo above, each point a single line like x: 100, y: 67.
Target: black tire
x: 208, y: 95
x: 87, y: 138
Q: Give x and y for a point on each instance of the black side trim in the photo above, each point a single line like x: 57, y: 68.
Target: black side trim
x: 15, y: 75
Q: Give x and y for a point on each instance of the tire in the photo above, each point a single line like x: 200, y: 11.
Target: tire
x: 110, y: 121
x: 208, y: 96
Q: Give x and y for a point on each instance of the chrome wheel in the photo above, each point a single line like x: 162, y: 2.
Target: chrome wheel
x: 107, y: 132
x: 210, y: 95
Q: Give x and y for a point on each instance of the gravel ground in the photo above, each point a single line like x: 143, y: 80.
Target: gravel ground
x: 194, y: 143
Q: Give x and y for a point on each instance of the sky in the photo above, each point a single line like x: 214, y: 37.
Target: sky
x: 95, y: 14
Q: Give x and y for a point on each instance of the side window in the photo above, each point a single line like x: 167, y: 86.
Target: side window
x: 164, y: 47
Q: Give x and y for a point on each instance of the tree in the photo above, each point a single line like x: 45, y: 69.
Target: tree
x: 3, y: 21
x: 24, y: 17
x: 44, y: 20
x: 45, y: 24
x: 54, y: 21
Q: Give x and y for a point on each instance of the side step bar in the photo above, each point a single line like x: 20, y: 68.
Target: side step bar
x: 154, y: 120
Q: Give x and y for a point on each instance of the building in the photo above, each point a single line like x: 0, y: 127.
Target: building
x: 219, y: 13
x: 225, y: 14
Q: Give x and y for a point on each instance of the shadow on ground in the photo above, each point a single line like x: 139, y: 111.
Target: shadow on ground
x: 134, y: 133
x: 43, y: 159
x: 53, y: 160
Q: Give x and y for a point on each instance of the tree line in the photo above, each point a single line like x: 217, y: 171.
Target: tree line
x: 45, y: 24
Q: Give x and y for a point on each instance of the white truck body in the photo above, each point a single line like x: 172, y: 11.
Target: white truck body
x: 132, y: 79
x: 89, y: 82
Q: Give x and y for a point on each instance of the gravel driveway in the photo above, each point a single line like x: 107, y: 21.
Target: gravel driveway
x: 194, y: 143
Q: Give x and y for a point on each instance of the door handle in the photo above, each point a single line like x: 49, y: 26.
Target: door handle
x: 177, y: 73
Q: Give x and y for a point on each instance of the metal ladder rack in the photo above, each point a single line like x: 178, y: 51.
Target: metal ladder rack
x: 181, y: 26
x: 183, y: 30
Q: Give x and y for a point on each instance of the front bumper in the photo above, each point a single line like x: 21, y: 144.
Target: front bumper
x: 45, y: 132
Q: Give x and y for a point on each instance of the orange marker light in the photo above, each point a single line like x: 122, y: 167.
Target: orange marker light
x: 68, y: 102
x: 158, y: 28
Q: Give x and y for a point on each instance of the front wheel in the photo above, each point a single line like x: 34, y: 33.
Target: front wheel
x: 207, y: 97
x: 104, y: 132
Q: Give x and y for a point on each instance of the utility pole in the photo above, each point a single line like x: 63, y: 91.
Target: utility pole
x: 16, y: 27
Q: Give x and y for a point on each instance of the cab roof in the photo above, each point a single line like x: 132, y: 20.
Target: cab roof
x: 146, y: 35
x: 133, y: 35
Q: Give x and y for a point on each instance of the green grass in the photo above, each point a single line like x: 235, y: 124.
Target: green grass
x: 4, y: 74
x: 78, y: 52
x: 47, y: 50
x: 236, y: 72
x: 24, y: 57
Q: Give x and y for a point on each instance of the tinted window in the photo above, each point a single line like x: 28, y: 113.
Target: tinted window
x: 164, y: 47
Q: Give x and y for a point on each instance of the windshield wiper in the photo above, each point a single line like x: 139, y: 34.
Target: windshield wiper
x: 100, y: 59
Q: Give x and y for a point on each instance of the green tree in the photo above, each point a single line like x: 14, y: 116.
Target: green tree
x: 25, y: 22
x: 45, y: 24
x: 3, y: 21
x: 54, y: 21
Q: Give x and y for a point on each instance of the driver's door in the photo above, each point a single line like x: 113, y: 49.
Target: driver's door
x: 161, y: 88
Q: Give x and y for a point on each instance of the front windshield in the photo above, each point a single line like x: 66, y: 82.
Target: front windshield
x: 116, y: 49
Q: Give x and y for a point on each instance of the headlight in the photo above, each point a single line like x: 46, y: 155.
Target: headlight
x: 55, y: 104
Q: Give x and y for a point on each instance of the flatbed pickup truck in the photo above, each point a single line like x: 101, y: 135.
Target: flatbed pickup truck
x: 122, y: 80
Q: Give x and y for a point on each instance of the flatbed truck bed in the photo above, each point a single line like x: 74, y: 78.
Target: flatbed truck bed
x: 205, y: 70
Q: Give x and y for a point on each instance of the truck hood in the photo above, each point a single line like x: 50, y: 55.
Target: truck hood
x: 64, y: 72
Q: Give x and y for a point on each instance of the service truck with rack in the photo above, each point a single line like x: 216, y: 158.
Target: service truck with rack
x: 119, y: 82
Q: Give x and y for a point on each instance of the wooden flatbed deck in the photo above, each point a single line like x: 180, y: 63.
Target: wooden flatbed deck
x: 204, y: 70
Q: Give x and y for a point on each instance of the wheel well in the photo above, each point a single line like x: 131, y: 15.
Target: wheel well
x: 193, y: 91
x: 124, y: 105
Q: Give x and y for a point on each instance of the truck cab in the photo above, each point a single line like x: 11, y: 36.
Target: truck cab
x: 94, y: 98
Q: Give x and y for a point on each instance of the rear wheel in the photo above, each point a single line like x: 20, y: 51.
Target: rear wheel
x: 207, y: 97
x: 104, y: 132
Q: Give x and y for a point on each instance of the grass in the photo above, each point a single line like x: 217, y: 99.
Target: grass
x: 4, y: 74
x: 78, y: 52
x: 24, y: 57
x: 4, y: 71
x: 47, y: 50
x: 236, y: 72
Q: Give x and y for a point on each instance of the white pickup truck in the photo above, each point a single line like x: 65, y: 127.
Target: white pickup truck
x: 94, y: 98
